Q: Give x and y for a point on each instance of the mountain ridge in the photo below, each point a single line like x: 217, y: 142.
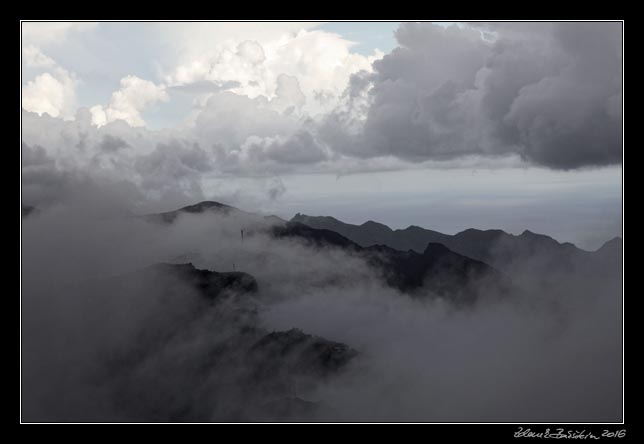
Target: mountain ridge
x: 504, y: 251
x: 529, y: 256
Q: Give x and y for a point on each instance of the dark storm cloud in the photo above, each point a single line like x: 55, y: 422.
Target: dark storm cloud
x: 548, y: 92
x: 35, y: 156
x: 300, y: 148
x: 174, y: 167
x: 43, y: 183
x: 112, y: 143
x: 61, y: 159
x: 573, y: 118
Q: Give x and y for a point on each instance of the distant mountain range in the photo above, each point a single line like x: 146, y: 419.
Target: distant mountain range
x: 443, y: 272
x: 416, y: 258
x: 435, y: 268
x: 506, y: 252
x: 526, y: 253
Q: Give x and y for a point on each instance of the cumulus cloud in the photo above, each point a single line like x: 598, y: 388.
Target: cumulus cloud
x: 547, y: 94
x: 53, y: 90
x: 174, y: 168
x: 229, y: 119
x: 204, y: 86
x: 569, y: 118
x: 33, y: 56
x: 112, y: 143
x: 251, y: 51
x: 276, y: 153
x: 288, y: 93
x: 155, y: 169
x: 319, y: 62
x: 62, y: 158
x: 49, y: 94
x: 134, y: 95
x: 253, y: 137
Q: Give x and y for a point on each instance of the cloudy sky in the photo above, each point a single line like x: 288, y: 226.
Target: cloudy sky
x: 443, y: 125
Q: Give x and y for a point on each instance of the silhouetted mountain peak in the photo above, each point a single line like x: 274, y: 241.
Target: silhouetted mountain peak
x: 201, y: 207
x: 303, y: 218
x: 375, y: 225
x: 206, y: 205
x: 476, y: 231
x: 531, y: 235
x: 616, y: 241
x: 436, y: 249
x: 611, y: 248
x: 542, y: 241
x: 473, y: 237
x: 318, y: 237
x: 274, y: 219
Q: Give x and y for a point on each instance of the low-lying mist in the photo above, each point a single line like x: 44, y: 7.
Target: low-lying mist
x: 529, y: 357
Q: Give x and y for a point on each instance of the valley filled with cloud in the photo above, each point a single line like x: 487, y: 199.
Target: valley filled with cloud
x: 265, y: 221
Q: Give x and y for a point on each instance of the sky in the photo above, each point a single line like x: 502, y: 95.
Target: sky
x: 447, y: 126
